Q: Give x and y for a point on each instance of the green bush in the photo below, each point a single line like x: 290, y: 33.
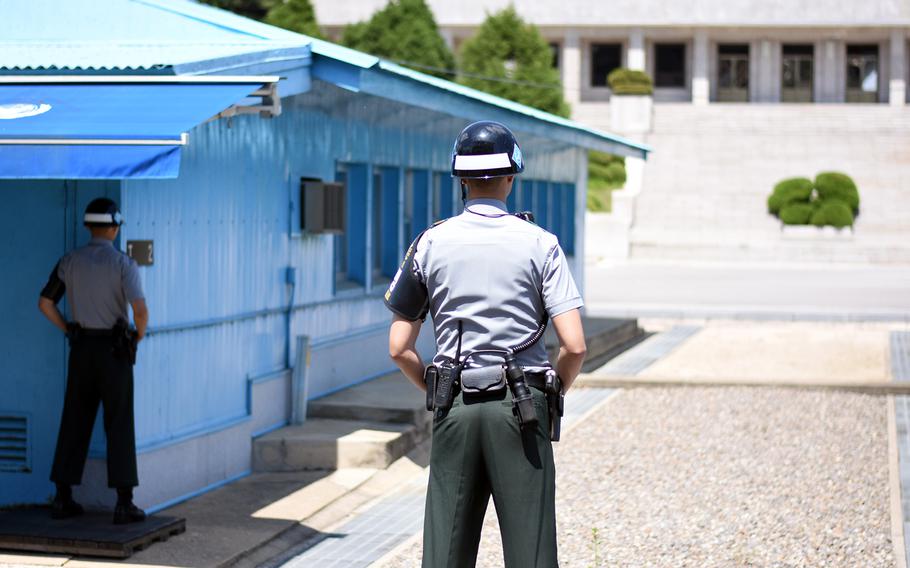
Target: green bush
x: 791, y: 190
x: 600, y: 200
x: 796, y: 214
x: 629, y: 82
x: 831, y: 212
x: 835, y: 185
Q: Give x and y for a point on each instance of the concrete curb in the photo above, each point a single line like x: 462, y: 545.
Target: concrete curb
x: 866, y: 387
x: 894, y: 483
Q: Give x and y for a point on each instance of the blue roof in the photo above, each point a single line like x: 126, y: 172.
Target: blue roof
x: 134, y: 35
x: 185, y: 37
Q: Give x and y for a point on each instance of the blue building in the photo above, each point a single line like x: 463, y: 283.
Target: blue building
x: 222, y: 139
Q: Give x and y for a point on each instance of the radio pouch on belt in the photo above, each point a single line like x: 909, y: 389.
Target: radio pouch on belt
x: 483, y: 380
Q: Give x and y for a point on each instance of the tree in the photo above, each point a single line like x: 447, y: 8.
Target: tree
x: 295, y: 15
x: 509, y: 58
x: 249, y: 8
x: 406, y: 32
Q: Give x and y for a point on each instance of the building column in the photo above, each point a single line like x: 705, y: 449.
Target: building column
x: 701, y: 83
x: 636, y: 59
x: 897, y: 85
x: 571, y: 69
x: 767, y: 71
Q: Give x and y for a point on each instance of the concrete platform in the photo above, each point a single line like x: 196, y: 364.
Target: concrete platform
x: 324, y: 444
x: 91, y: 534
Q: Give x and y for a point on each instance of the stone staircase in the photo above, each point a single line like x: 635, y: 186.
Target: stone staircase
x: 706, y: 184
x: 372, y: 424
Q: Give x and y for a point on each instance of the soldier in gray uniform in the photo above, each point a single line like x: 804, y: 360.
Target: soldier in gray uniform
x: 99, y: 281
x: 490, y: 280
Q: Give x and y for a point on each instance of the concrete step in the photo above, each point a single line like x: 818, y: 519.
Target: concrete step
x: 326, y: 444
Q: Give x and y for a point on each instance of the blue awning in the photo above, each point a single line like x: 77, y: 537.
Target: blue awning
x: 107, y: 127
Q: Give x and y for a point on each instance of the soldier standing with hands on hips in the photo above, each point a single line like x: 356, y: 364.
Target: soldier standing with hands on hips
x: 490, y: 280
x: 99, y: 281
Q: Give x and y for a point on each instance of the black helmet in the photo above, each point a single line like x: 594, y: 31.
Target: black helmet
x: 102, y: 212
x: 486, y: 149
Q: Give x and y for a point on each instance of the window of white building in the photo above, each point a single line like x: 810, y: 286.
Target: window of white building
x: 796, y: 73
x: 733, y: 72
x: 670, y: 65
x: 862, y: 73
x: 605, y: 57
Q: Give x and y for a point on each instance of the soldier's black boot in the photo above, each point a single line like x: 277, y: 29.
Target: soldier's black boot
x: 63, y: 506
x: 125, y: 511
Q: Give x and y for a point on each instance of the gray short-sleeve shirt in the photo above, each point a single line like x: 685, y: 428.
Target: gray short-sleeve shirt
x: 496, y: 274
x: 100, y: 281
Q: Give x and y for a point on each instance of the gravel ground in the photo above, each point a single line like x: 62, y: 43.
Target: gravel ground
x: 720, y: 477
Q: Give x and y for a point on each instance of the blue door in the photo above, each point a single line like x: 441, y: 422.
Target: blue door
x: 40, y: 219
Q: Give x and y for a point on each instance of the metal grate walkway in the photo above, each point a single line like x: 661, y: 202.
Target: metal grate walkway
x: 647, y: 352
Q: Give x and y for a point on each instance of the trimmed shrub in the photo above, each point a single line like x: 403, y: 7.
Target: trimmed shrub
x: 831, y: 212
x: 790, y: 190
x: 629, y: 82
x: 796, y: 214
x: 835, y: 185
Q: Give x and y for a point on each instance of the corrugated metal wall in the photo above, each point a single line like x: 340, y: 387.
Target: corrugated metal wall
x: 218, y: 292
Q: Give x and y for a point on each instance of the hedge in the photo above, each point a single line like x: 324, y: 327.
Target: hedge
x: 791, y: 190
x: 831, y: 212
x: 606, y: 172
x: 796, y: 214
x: 629, y: 82
x: 835, y: 185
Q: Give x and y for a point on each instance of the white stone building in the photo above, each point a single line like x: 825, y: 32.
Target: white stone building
x: 703, y: 51
x: 747, y: 92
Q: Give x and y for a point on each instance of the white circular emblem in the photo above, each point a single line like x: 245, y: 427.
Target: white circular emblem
x: 22, y: 110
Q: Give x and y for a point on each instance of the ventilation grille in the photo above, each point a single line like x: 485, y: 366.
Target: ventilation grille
x: 322, y: 207
x: 14, y: 455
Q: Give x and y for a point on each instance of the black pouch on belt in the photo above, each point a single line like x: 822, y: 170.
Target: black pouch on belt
x: 483, y: 380
x: 429, y: 378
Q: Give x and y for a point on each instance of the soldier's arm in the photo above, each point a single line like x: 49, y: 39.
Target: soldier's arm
x: 403, y: 349
x: 50, y: 295
x: 50, y: 311
x: 572, y: 346
x: 140, y: 316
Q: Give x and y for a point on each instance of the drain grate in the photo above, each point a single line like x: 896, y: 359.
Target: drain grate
x: 647, y: 352
x: 900, y: 355
x: 14, y: 454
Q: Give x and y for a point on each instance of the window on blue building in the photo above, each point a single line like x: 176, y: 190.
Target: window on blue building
x: 350, y: 248
x: 418, y: 184
x: 376, y: 261
x: 443, y: 192
x: 340, y: 241
x: 407, y: 214
x: 387, y: 219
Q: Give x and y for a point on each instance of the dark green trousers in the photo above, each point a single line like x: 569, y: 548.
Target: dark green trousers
x: 479, y: 450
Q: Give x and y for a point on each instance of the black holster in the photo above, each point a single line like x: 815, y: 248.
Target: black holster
x: 555, y: 404
x: 441, y: 381
x: 73, y: 332
x: 126, y: 340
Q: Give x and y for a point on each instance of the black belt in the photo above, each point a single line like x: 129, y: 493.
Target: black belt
x: 535, y: 379
x: 96, y: 332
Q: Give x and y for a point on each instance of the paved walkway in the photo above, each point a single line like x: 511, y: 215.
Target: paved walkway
x: 837, y: 293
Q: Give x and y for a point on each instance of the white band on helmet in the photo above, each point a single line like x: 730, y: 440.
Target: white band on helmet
x: 483, y: 162
x: 105, y: 218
